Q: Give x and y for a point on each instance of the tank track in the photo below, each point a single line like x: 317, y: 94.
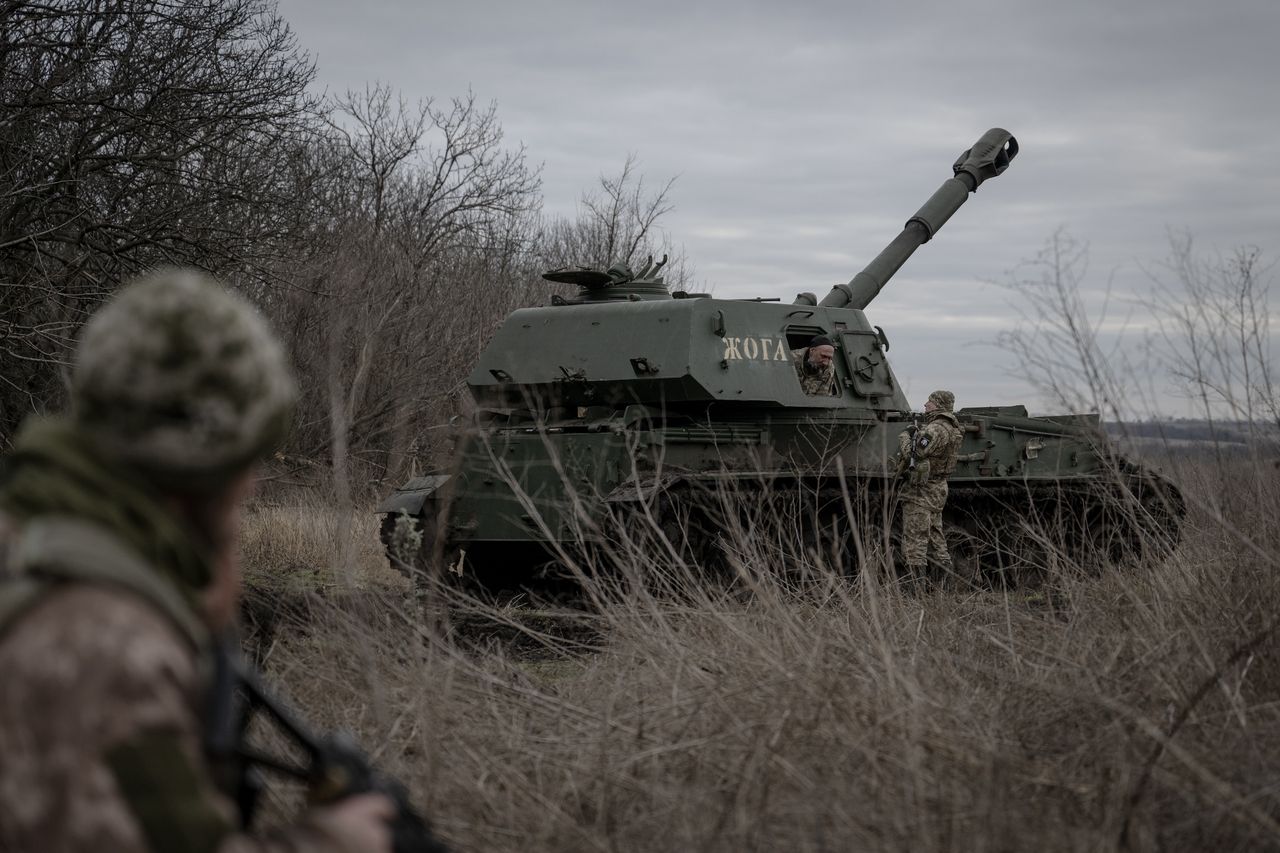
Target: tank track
x: 1017, y: 533
x: 1000, y: 534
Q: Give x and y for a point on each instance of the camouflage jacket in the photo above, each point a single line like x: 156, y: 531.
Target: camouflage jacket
x: 937, y: 445
x: 818, y: 383
x: 101, y: 711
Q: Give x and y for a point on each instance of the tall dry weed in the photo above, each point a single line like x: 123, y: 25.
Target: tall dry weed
x: 1136, y: 710
x: 792, y: 706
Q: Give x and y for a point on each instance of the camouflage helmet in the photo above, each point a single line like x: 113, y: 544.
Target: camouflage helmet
x: 944, y: 400
x: 181, y: 379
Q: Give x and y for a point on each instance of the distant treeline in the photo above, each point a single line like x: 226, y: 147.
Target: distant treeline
x: 1225, y: 432
x: 1159, y: 442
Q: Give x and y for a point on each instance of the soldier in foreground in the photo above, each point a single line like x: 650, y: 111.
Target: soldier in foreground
x: 118, y: 574
x: 928, y: 456
x: 815, y: 368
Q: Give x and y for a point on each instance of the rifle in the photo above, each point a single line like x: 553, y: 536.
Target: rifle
x: 913, y: 431
x: 914, y: 471
x: 906, y: 459
x: 336, y: 768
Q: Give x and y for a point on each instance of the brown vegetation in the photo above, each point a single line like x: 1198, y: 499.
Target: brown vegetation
x: 1133, y: 710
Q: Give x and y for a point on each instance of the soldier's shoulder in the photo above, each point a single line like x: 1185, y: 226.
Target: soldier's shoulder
x: 938, y: 428
x: 82, y: 634
x: 943, y: 423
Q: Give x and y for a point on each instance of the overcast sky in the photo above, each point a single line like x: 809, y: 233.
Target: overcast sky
x: 803, y: 135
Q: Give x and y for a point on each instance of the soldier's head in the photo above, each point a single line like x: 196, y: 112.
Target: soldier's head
x: 940, y: 401
x: 821, y: 351
x: 182, y: 380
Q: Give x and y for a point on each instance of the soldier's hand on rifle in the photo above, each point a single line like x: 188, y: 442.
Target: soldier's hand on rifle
x: 358, y: 823
x: 369, y: 809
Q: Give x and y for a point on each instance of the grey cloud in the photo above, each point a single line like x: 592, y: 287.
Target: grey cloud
x: 803, y: 136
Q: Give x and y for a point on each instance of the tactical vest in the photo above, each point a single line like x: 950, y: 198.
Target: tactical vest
x: 945, y: 461
x: 49, y: 551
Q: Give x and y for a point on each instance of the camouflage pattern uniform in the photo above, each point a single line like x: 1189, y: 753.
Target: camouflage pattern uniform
x: 925, y: 493
x: 818, y: 383
x: 178, y: 388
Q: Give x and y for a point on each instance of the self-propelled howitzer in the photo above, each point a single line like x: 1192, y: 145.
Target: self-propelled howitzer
x: 630, y: 400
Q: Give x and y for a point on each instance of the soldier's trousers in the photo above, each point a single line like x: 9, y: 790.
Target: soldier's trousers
x: 922, y: 539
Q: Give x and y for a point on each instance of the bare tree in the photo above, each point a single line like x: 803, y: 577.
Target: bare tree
x: 1060, y: 345
x: 618, y: 222
x: 387, y: 240
x: 377, y: 133
x: 134, y: 133
x: 421, y: 245
x: 1213, y: 333
x: 1205, y: 337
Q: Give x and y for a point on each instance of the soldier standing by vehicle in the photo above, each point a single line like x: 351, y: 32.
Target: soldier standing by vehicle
x: 118, y: 574
x: 927, y: 455
x: 815, y: 368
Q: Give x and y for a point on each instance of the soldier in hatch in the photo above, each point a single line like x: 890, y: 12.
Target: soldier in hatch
x: 118, y: 573
x: 928, y: 456
x: 814, y: 364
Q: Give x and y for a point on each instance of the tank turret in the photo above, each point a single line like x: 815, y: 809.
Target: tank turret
x: 616, y: 283
x: 989, y: 157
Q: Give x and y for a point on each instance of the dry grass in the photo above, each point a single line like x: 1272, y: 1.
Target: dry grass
x: 1137, y: 710
x: 292, y: 547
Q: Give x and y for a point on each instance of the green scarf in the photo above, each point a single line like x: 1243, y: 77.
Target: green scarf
x: 55, y: 470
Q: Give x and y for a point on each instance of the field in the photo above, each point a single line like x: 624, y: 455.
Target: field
x: 1135, y: 708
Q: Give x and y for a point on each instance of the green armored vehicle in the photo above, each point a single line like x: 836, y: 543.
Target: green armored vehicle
x: 629, y: 400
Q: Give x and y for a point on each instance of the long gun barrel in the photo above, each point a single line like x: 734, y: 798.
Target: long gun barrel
x: 989, y: 156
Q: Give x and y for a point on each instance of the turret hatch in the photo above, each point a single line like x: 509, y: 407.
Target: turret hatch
x: 864, y: 354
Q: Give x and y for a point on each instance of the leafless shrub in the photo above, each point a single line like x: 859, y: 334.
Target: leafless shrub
x: 422, y: 245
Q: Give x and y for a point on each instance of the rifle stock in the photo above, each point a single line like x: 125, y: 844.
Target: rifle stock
x: 336, y: 766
